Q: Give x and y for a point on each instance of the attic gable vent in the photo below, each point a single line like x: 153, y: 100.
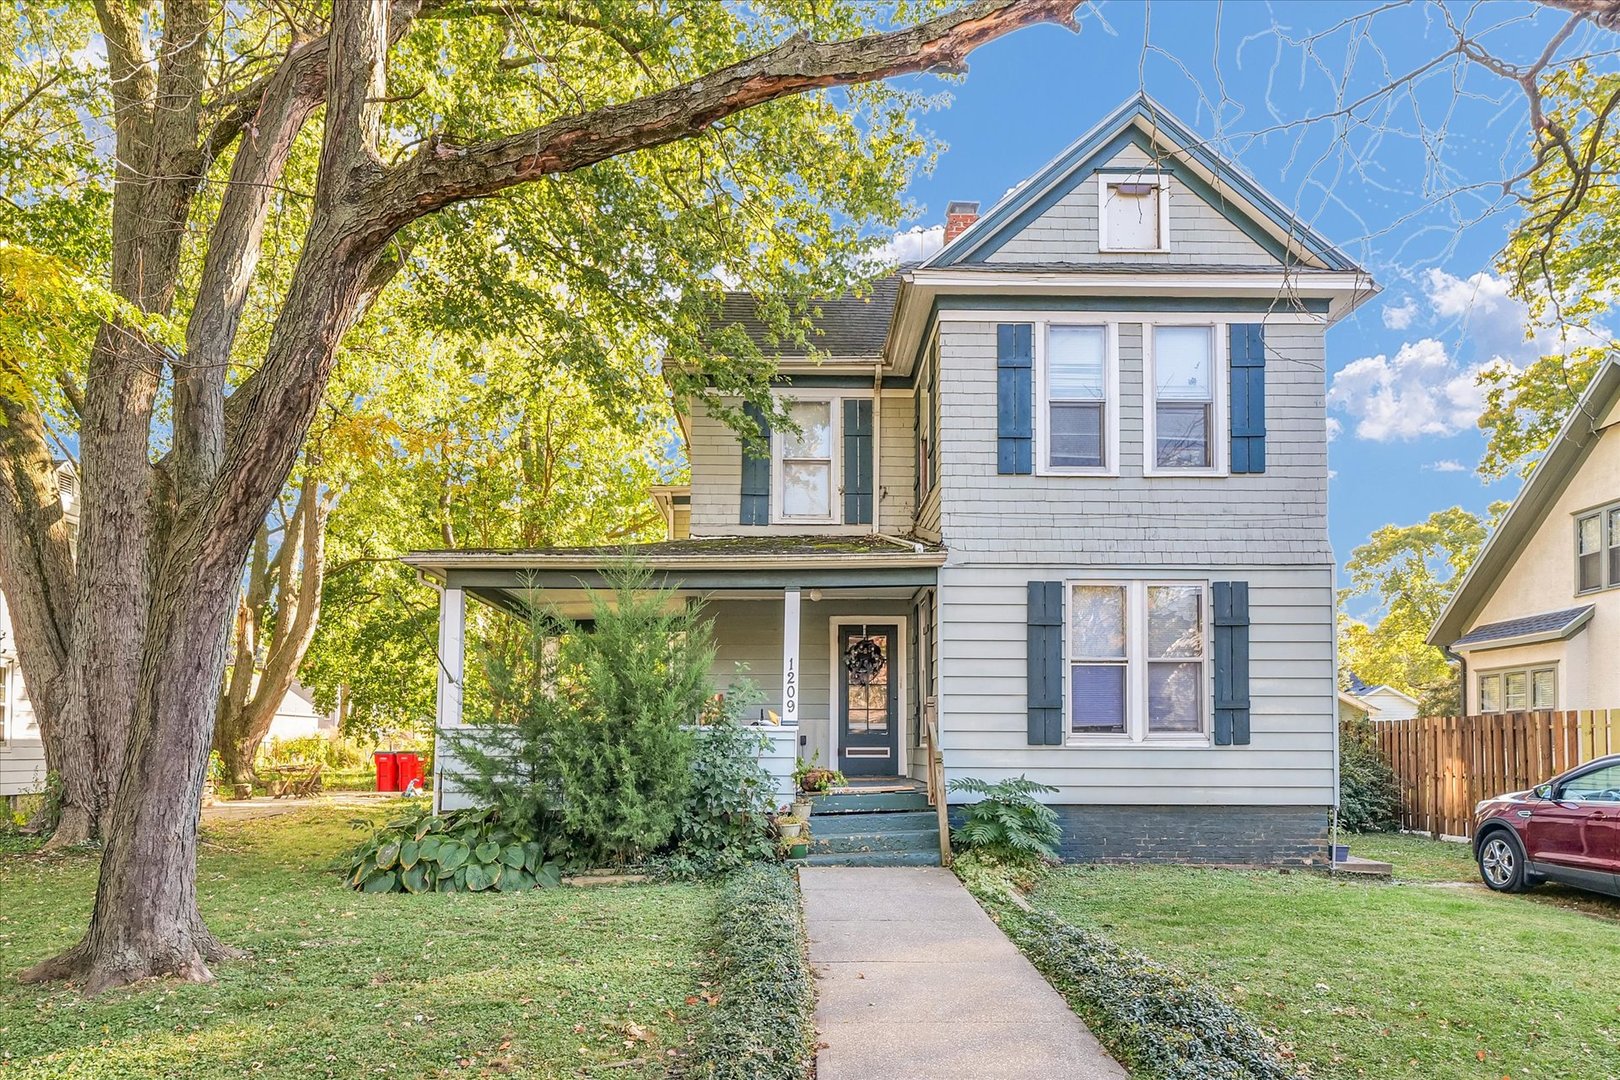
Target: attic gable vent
x: 1134, y: 213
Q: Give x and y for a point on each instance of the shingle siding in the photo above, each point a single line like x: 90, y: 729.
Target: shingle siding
x: 1134, y: 518
x: 1067, y: 232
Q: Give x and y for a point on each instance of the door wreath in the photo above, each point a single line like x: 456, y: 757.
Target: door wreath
x: 863, y: 660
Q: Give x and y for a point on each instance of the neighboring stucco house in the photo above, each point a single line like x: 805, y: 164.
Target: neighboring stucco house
x: 1536, y: 621
x: 1064, y: 484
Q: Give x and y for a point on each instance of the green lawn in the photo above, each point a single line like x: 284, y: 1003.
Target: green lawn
x: 1427, y: 977
x: 553, y: 983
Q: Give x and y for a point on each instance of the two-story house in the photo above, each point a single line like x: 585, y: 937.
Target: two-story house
x: 1536, y: 621
x: 1061, y: 487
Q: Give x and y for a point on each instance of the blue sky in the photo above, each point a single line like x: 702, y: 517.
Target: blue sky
x: 1398, y: 190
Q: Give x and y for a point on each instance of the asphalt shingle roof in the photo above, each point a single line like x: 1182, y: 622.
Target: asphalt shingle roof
x: 1559, y: 623
x: 738, y: 546
x: 848, y: 326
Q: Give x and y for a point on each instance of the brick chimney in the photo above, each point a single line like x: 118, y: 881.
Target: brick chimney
x: 958, y: 216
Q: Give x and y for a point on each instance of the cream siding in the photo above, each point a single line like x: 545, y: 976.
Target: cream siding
x: 1067, y: 232
x: 716, y: 458
x: 1542, y: 578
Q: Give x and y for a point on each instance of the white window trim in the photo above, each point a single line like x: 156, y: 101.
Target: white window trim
x: 1529, y: 672
x: 1136, y: 669
x: 1220, y: 451
x: 1106, y: 178
x: 835, y: 401
x: 1111, y: 402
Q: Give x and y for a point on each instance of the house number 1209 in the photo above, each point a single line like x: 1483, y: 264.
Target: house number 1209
x: 790, y: 694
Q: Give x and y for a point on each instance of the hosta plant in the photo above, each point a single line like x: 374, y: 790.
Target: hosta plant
x: 470, y: 850
x: 1007, y: 819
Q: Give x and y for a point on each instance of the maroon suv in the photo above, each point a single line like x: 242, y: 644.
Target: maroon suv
x: 1566, y: 830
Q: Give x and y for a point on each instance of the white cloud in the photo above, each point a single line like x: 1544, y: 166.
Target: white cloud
x: 1334, y: 427
x: 1400, y: 316
x: 913, y: 245
x: 1419, y: 391
x: 1448, y: 465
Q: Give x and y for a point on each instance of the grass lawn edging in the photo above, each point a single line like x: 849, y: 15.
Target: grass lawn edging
x: 763, y: 1025
x: 1159, y: 1022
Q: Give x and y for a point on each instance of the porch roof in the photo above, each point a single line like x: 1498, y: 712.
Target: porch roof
x: 710, y: 563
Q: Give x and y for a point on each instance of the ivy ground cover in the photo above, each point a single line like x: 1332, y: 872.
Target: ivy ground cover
x: 559, y: 982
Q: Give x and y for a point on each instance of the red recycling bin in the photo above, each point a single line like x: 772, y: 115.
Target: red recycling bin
x: 409, y: 769
x: 387, y: 770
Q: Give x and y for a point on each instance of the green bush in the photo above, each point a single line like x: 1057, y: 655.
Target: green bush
x: 1007, y: 820
x: 462, y: 851
x: 1161, y: 1023
x: 1369, y: 791
x: 763, y: 1025
x: 725, y: 821
x: 591, y: 724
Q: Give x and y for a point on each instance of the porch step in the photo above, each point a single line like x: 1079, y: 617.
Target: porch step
x: 860, y: 843
x: 868, y: 803
x: 828, y: 826
x: 874, y: 858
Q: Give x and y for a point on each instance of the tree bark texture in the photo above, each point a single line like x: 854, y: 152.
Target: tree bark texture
x: 126, y: 653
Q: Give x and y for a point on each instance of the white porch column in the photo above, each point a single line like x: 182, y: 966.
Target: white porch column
x: 790, y: 656
x: 452, y: 654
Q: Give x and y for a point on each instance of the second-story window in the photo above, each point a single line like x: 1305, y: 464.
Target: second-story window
x: 1597, y: 550
x: 1076, y: 398
x: 805, y: 475
x: 1184, y: 385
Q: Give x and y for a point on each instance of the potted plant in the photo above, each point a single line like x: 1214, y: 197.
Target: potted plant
x: 813, y: 777
x: 801, y: 808
x: 787, y: 825
x: 795, y: 847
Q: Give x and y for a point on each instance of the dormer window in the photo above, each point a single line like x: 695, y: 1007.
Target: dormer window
x: 1135, y: 212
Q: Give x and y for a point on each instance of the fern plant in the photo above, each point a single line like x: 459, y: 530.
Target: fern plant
x: 1008, y: 820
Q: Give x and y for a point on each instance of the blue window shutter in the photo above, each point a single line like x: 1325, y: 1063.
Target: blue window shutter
x: 1045, y: 660
x: 1231, y: 663
x: 1015, y: 398
x: 755, y: 505
x: 1247, y: 355
x: 857, y: 461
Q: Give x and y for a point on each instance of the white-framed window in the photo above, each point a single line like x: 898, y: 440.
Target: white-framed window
x: 1597, y: 549
x: 1077, y: 398
x: 1518, y: 689
x: 927, y: 450
x: 804, y: 464
x: 1185, y: 414
x: 1138, y: 666
x: 1133, y: 212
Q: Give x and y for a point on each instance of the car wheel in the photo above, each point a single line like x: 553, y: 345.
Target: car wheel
x: 1501, y: 862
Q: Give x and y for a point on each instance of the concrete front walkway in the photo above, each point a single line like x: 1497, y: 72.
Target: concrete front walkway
x: 916, y: 983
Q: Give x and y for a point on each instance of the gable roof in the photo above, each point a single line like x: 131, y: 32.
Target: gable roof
x: 847, y: 326
x: 1143, y: 118
x: 1535, y: 500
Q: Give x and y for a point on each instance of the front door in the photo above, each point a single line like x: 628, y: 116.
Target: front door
x: 868, y: 701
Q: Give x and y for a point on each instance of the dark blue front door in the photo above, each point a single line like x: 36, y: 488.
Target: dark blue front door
x: 868, y: 700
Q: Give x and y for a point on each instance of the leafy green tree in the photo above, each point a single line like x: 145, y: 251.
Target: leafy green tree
x: 1409, y: 572
x: 1563, y: 262
x: 588, y: 172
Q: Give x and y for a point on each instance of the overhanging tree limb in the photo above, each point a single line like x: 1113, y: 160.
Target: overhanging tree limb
x: 443, y: 173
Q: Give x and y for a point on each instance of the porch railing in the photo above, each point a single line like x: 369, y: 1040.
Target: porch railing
x: 936, y: 778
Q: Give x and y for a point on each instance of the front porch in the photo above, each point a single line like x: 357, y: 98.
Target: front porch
x: 833, y: 632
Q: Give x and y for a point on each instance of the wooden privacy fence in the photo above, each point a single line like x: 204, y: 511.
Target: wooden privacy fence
x: 1447, y: 764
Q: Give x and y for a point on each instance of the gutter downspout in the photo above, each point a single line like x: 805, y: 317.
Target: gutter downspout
x: 1333, y: 697
x: 1462, y: 679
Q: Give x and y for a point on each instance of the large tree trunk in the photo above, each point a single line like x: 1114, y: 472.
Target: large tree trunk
x: 163, y: 549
